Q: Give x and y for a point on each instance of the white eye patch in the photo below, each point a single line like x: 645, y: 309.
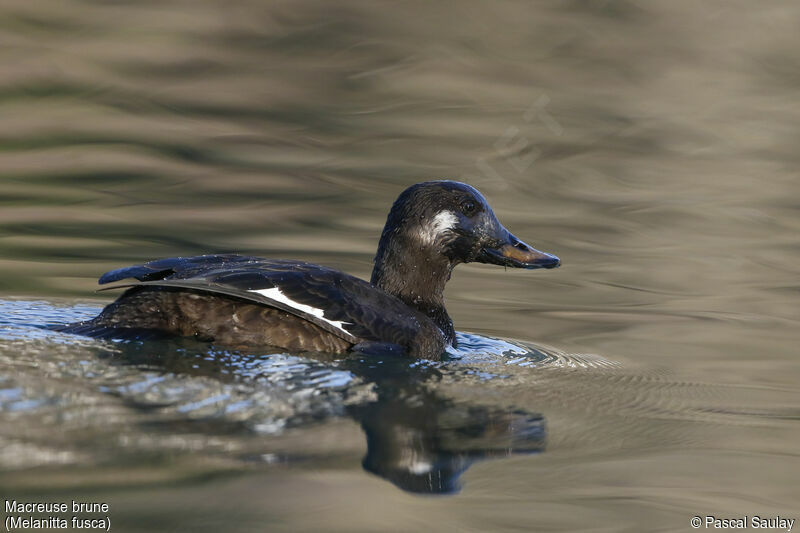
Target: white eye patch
x: 442, y: 222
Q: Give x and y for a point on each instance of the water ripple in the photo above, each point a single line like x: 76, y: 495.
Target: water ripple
x: 117, y: 398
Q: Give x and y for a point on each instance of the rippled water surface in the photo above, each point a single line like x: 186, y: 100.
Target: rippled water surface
x: 650, y: 145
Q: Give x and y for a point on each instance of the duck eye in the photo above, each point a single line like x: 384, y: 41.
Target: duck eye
x: 468, y: 207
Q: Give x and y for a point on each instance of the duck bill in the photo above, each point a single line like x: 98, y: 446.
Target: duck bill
x: 509, y: 251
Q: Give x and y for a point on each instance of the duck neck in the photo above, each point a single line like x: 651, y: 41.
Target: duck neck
x: 417, y: 279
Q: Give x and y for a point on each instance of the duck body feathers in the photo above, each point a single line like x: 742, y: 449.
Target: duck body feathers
x: 292, y: 305
x: 234, y: 299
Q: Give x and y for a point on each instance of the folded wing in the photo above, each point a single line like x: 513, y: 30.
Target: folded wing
x: 343, y: 305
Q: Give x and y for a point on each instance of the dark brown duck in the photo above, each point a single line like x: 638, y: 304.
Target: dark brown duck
x: 298, y: 306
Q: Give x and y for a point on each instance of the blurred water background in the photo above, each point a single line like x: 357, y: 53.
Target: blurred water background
x: 653, y: 146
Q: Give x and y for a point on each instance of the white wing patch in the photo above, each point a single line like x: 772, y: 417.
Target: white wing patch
x: 443, y: 221
x: 276, y: 294
x: 419, y: 466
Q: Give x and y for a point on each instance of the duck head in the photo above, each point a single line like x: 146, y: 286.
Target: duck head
x: 431, y: 228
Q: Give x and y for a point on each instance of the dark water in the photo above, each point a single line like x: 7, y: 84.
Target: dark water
x: 652, y: 146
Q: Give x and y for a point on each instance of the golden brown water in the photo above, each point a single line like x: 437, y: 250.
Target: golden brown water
x: 650, y: 145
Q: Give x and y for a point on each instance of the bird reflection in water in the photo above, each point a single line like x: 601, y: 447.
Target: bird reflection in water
x: 418, y: 439
x: 422, y: 442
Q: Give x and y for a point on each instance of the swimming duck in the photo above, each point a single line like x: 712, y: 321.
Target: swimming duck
x: 300, y: 307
